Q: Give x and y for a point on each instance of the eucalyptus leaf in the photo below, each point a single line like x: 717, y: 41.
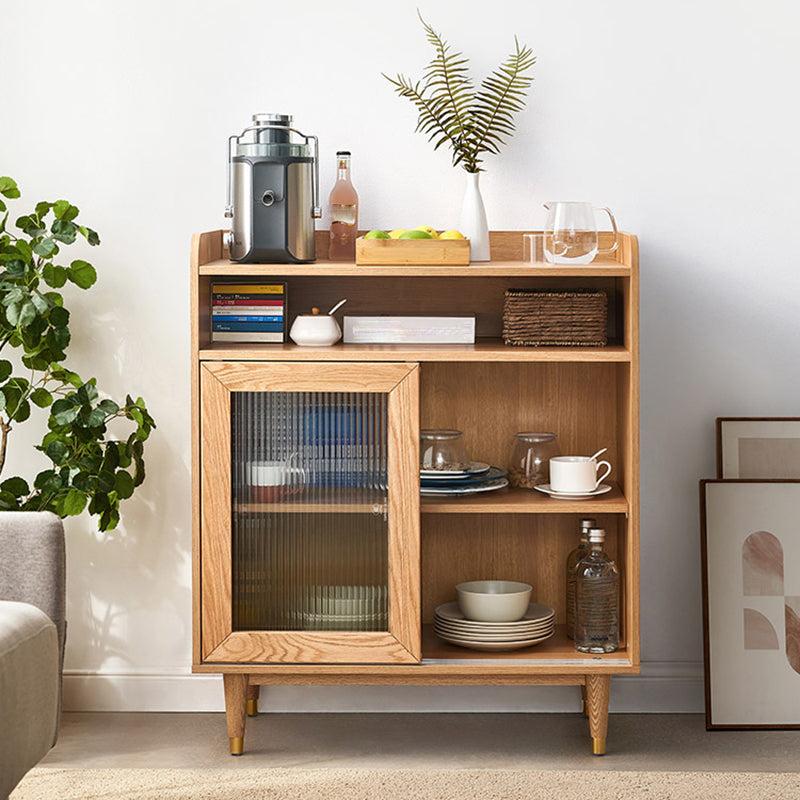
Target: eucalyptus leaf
x: 73, y: 503
x: 21, y: 412
x: 59, y: 317
x: 16, y: 268
x: 63, y: 209
x: 54, y: 275
x: 8, y: 187
x: 82, y: 273
x: 123, y: 484
x: 16, y: 486
x: 64, y: 230
x: 27, y: 313
x: 90, y: 235
x: 41, y: 397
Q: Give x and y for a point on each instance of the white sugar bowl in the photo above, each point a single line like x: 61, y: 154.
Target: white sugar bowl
x: 315, y: 329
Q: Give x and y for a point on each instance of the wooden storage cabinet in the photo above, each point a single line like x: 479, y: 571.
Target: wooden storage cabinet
x: 588, y: 395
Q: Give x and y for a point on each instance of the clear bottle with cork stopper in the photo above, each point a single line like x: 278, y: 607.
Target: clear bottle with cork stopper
x: 343, y: 207
x: 596, y: 599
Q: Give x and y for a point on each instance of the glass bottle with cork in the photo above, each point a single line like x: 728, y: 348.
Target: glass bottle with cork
x: 343, y: 207
x: 572, y: 562
x: 596, y: 599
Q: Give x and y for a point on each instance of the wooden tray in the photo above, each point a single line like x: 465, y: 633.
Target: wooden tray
x: 412, y: 252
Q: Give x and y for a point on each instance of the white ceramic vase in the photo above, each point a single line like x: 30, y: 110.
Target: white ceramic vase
x: 473, y: 220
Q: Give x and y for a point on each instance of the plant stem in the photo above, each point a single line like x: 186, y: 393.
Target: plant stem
x: 5, y: 427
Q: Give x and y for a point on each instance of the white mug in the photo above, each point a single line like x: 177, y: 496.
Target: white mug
x: 576, y: 474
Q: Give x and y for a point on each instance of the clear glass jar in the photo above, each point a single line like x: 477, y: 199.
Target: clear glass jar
x: 442, y: 449
x: 530, y: 459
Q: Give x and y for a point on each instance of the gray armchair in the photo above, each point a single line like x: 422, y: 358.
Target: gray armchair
x: 32, y: 635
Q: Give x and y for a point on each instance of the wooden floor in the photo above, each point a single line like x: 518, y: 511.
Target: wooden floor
x: 640, y: 742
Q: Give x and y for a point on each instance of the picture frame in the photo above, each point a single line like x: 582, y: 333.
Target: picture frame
x: 751, y: 603
x: 758, y: 447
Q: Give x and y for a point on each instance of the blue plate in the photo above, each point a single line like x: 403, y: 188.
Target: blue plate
x: 492, y: 474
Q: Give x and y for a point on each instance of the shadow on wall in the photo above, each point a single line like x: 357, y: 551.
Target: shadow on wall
x: 129, y: 590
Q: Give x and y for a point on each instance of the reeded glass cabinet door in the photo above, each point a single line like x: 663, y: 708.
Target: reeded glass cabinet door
x: 310, y: 512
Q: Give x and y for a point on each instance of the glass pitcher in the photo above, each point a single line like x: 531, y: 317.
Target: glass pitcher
x: 571, y: 232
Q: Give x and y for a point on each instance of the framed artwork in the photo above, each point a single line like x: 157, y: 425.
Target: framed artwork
x: 751, y: 602
x: 758, y: 447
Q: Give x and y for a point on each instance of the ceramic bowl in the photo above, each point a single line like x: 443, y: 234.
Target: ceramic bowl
x: 271, y: 480
x: 494, y: 601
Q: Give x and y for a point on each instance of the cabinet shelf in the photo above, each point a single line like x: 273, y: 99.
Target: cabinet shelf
x: 524, y: 501
x: 603, y: 267
x: 502, y: 501
x: 557, y: 650
x: 321, y: 501
x: 482, y: 350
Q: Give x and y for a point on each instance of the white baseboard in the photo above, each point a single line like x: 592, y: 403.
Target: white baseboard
x: 663, y: 688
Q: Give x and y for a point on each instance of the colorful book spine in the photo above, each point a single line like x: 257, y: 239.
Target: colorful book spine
x: 248, y: 312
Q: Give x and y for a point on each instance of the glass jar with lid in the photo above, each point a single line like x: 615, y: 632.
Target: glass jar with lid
x: 530, y: 458
x: 442, y: 449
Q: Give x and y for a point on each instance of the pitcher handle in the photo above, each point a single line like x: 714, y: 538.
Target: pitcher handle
x: 614, y: 226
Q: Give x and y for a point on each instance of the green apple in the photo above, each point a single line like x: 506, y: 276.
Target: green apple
x: 415, y: 235
x: 376, y: 234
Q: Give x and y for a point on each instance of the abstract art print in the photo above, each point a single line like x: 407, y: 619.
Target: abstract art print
x: 758, y: 447
x: 751, y: 597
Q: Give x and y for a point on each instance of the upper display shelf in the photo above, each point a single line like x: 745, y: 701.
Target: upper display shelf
x: 506, y: 260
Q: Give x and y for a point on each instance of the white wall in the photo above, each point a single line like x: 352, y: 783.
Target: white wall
x: 681, y: 116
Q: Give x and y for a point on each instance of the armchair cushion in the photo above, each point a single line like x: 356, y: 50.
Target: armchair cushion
x: 29, y: 689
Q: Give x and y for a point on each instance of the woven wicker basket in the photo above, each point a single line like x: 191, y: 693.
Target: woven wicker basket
x: 555, y: 318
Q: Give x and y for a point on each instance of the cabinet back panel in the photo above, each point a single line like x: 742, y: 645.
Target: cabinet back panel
x: 529, y: 548
x: 491, y: 402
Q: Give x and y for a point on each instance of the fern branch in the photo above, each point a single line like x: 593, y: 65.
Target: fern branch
x: 429, y: 112
x: 503, y: 91
x: 449, y: 74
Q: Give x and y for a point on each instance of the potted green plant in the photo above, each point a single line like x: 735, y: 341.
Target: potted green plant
x: 90, y: 468
x: 471, y: 122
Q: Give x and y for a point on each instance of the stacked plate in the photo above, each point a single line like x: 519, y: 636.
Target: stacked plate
x: 345, y: 608
x: 477, y: 477
x: 452, y: 626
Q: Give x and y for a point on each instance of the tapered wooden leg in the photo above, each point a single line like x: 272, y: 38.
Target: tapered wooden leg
x: 253, y: 691
x: 235, y: 708
x: 584, y: 709
x: 598, y: 689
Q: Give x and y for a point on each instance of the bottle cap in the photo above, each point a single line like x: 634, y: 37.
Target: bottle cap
x: 588, y: 522
x: 597, y: 535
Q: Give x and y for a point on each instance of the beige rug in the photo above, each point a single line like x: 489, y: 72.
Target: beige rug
x: 44, y: 783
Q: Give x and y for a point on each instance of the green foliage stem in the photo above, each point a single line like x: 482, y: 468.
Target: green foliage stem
x: 89, y: 468
x: 471, y: 122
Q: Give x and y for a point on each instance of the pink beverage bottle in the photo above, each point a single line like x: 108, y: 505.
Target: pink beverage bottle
x: 343, y: 206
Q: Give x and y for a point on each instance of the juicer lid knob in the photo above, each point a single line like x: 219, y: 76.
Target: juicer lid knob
x: 272, y: 119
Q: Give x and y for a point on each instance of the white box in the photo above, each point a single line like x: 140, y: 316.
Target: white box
x: 409, y: 330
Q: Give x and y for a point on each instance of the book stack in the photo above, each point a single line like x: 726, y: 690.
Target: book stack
x: 248, y: 312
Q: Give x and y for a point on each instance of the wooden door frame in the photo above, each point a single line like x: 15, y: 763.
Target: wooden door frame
x: 219, y: 642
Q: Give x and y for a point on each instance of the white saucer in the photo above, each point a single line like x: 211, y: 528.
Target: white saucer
x: 545, y: 487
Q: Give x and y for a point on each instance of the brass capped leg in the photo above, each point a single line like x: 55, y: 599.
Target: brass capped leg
x: 252, y: 708
x: 599, y: 747
x: 237, y: 745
